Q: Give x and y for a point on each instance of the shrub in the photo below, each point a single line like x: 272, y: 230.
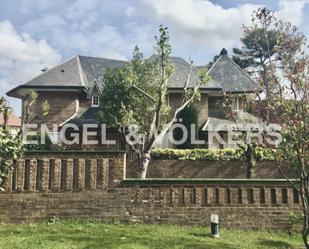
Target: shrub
x: 296, y: 219
x: 207, y: 154
x: 39, y: 146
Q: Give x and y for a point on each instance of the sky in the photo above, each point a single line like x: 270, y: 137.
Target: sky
x: 35, y: 34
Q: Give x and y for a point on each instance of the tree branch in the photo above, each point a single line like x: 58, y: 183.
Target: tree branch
x: 145, y: 93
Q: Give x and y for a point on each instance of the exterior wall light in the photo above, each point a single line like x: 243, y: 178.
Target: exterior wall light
x: 214, y: 222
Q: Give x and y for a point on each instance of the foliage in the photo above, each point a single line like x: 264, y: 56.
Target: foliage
x: 39, y: 146
x: 123, y: 103
x: 284, y: 70
x: 135, y: 98
x: 207, y: 154
x: 255, y: 47
x: 263, y: 43
x: 10, y: 145
x: 53, y: 220
x: 27, y: 103
x: 45, y: 108
x: 296, y: 219
x: 97, y: 235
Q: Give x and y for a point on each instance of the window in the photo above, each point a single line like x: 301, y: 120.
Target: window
x: 95, y: 101
x: 238, y: 104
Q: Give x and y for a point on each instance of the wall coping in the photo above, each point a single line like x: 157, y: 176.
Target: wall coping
x: 53, y: 153
x: 74, y: 151
x: 209, y: 181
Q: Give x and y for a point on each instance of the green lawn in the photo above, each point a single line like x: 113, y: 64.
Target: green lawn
x: 77, y: 234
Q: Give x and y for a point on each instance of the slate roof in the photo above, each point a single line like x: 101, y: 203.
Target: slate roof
x: 181, y: 70
x: 93, y: 68
x: 82, y: 71
x: 77, y: 71
x: 86, y: 116
x: 226, y: 73
x: 243, y: 117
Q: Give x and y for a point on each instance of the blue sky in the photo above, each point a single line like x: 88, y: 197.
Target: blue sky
x: 41, y: 33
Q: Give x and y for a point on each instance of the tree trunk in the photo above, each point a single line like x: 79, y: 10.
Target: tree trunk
x: 145, y: 160
x: 250, y: 161
x: 305, y: 228
x: 305, y: 236
x: 250, y: 168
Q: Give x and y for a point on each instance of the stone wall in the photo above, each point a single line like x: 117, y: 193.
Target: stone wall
x: 92, y: 185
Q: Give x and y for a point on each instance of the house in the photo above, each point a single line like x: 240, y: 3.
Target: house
x: 72, y: 90
x: 13, y: 123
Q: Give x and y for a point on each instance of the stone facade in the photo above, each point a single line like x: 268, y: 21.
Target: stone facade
x: 92, y: 185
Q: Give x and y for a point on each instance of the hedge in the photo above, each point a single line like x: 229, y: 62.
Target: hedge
x: 207, y: 154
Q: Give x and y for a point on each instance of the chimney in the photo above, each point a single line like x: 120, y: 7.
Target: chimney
x: 223, y: 51
x: 44, y: 69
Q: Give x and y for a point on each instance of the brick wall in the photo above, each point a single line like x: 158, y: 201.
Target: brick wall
x: 206, y: 169
x: 62, y: 105
x: 92, y: 185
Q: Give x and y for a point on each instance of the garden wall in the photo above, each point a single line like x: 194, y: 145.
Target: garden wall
x: 92, y: 185
x: 206, y: 169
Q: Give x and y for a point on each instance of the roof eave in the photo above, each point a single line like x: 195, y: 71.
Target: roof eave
x: 245, y: 91
x: 200, y: 89
x: 15, y: 92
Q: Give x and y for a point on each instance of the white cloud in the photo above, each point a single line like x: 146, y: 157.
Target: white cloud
x: 202, y: 21
x: 209, y: 25
x: 292, y: 11
x: 199, y: 28
x: 112, y: 54
x: 22, y: 57
x: 82, y: 8
x: 130, y: 11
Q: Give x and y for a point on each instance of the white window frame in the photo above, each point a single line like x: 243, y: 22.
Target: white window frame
x: 93, y: 104
x: 238, y: 101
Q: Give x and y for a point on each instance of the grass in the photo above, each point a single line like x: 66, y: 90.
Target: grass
x: 92, y: 235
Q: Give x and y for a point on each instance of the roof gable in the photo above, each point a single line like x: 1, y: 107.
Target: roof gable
x: 226, y: 73
x: 96, y: 88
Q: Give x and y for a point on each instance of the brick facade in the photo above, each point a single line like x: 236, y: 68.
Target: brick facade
x: 92, y: 185
x: 62, y: 105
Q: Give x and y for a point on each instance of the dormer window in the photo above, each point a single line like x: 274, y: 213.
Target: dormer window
x: 95, y: 101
